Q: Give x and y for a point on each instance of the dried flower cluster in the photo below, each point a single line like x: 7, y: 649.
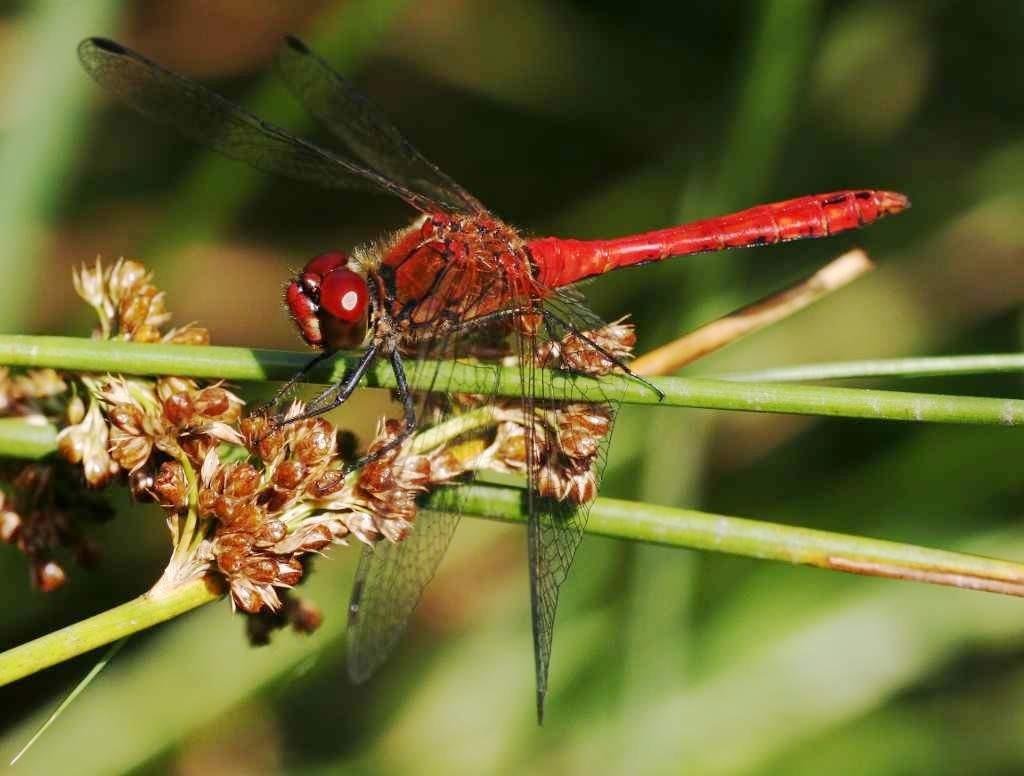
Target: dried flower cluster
x: 32, y: 393
x: 111, y: 426
x: 43, y: 508
x: 587, y: 352
x: 46, y: 510
x: 129, y: 306
x: 562, y: 440
x: 253, y: 544
x: 251, y: 499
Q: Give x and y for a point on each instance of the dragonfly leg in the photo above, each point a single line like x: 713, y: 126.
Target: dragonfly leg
x: 336, y: 395
x: 571, y: 327
x: 409, y: 408
x: 404, y: 394
x: 285, y: 390
x: 489, y: 318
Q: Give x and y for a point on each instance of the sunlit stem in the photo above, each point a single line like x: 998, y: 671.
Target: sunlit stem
x: 460, y: 425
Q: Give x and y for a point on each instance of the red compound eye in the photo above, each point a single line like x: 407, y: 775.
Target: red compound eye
x: 343, y: 293
x: 326, y: 262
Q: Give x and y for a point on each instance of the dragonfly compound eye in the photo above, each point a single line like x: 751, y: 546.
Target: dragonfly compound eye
x: 324, y: 263
x: 343, y: 293
x: 328, y: 302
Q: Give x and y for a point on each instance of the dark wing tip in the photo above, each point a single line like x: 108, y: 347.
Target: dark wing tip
x: 296, y: 45
x: 105, y: 44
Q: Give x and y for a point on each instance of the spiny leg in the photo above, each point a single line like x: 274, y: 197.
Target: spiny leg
x: 336, y: 395
x: 409, y: 421
x: 295, y: 379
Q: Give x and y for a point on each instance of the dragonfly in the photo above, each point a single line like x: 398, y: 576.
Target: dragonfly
x: 455, y: 278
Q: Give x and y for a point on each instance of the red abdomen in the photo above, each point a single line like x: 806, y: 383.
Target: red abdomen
x: 561, y: 262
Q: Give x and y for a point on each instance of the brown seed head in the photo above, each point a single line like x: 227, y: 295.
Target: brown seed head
x: 171, y: 486
x: 48, y: 576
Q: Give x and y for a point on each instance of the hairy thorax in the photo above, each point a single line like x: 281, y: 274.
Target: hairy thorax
x: 443, y: 272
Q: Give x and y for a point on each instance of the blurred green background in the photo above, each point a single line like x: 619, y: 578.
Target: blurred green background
x: 583, y: 119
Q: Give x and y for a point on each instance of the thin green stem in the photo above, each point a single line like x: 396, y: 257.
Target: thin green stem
x: 689, y: 528
x: 609, y: 517
x: 452, y: 428
x: 934, y: 366
x: 71, y: 697
x: 104, y: 628
x: 74, y: 354
x: 26, y: 438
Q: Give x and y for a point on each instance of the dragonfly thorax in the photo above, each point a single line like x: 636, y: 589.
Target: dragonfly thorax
x: 328, y: 302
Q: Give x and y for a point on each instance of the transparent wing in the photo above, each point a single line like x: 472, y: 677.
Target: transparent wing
x: 391, y: 577
x: 555, y: 527
x: 366, y: 132
x: 208, y: 118
x: 388, y: 585
x: 554, y: 533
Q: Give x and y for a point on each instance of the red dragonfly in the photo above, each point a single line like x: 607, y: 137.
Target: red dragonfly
x: 457, y: 275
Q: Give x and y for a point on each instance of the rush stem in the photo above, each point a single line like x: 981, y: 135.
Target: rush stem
x: 243, y: 364
x: 928, y: 366
x: 613, y: 518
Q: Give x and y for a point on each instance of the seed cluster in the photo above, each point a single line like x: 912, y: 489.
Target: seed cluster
x: 559, y: 442
x: 112, y: 427
x: 253, y: 543
x: 590, y: 352
x: 129, y: 306
x: 252, y: 499
x: 46, y: 510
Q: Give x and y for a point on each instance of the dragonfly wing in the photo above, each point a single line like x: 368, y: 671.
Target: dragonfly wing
x: 208, y: 118
x: 365, y: 130
x: 553, y: 535
x: 388, y: 585
x: 555, y: 527
x: 391, y: 577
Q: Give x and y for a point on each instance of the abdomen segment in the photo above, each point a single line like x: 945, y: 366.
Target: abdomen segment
x: 561, y: 262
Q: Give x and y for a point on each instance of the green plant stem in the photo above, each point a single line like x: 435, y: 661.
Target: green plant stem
x: 71, y: 697
x: 26, y: 438
x: 77, y: 354
x: 673, y: 527
x: 104, y: 628
x: 934, y: 366
x: 609, y: 517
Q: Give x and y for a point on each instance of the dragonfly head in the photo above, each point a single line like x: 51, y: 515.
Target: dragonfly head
x: 328, y: 302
